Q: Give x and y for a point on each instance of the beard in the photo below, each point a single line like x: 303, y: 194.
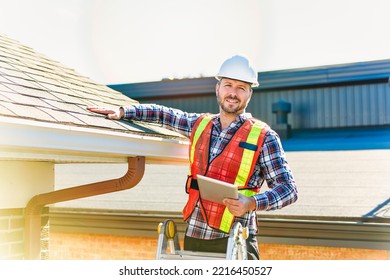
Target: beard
x: 231, y: 108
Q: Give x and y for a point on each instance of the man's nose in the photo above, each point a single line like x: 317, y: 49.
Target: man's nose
x: 233, y: 91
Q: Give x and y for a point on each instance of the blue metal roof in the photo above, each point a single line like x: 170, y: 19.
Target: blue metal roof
x: 343, y: 73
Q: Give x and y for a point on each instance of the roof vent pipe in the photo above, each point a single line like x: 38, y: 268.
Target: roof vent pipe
x: 281, y: 108
x: 134, y: 174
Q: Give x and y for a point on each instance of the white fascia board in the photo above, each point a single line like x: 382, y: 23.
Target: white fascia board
x: 23, y: 139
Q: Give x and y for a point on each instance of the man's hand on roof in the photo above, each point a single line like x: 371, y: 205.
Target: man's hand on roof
x: 113, y: 114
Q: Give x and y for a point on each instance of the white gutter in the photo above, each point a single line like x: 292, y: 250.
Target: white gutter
x: 34, y: 140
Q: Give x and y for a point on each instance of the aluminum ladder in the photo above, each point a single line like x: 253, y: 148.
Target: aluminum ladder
x: 168, y: 246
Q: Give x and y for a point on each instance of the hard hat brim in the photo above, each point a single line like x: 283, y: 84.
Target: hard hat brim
x: 253, y: 84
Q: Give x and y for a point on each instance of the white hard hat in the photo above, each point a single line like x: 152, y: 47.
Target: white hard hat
x: 238, y: 68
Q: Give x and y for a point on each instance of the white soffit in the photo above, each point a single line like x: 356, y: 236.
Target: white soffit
x: 23, y: 139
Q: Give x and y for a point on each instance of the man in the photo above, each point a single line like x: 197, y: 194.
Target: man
x: 231, y: 146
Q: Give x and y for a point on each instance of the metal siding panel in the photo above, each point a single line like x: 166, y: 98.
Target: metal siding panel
x: 305, y: 108
x: 327, y: 108
x: 350, y: 108
x: 320, y: 108
x: 297, y: 105
x: 261, y: 109
x: 302, y: 108
x: 334, y: 108
x: 358, y: 104
x: 374, y: 104
x: 365, y: 105
x: 342, y: 108
x: 271, y: 99
x: 311, y: 109
x: 292, y: 116
x: 262, y: 112
x: 260, y: 106
x: 381, y: 91
x: 335, y: 111
x: 289, y: 97
x: 371, y: 105
x: 381, y: 105
x: 386, y: 91
x: 276, y: 96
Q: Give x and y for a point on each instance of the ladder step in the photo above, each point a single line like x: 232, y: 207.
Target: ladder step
x: 190, y: 255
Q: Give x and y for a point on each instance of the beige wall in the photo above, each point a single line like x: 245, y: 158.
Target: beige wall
x: 21, y: 180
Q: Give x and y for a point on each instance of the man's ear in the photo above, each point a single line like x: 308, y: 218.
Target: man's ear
x: 250, y: 96
x: 216, y: 89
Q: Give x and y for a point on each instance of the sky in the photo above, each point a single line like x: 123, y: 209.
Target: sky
x: 129, y: 41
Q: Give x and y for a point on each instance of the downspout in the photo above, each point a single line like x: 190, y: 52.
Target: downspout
x: 134, y: 174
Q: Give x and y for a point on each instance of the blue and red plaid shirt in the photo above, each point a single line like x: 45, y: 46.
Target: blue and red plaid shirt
x: 271, y: 166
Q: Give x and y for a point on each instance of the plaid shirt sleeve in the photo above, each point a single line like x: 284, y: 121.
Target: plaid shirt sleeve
x: 275, y: 170
x: 174, y: 119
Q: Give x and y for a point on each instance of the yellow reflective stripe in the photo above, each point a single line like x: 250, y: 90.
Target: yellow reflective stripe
x: 247, y: 192
x: 247, y: 157
x: 198, y: 132
x: 227, y: 217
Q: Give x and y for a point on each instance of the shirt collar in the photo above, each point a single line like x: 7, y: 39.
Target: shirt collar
x: 239, y: 119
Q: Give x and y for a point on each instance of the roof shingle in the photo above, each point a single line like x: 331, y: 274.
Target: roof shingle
x: 35, y: 87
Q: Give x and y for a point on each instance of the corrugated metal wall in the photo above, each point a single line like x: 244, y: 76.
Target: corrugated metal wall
x: 338, y: 96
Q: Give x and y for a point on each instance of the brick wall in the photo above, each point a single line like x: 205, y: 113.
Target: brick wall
x: 45, y: 234
x: 11, y: 234
x: 78, y: 246
x: 298, y: 252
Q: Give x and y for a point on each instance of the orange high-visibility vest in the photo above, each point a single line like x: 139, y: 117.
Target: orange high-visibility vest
x: 235, y: 165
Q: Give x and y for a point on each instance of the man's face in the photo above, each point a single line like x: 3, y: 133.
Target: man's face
x: 233, y: 96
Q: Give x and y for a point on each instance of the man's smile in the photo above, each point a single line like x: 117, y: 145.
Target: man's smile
x: 232, y: 100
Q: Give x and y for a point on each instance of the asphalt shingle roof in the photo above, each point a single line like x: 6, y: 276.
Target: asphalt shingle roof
x: 35, y: 87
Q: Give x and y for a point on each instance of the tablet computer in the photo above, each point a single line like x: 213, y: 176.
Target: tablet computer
x: 216, y: 190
